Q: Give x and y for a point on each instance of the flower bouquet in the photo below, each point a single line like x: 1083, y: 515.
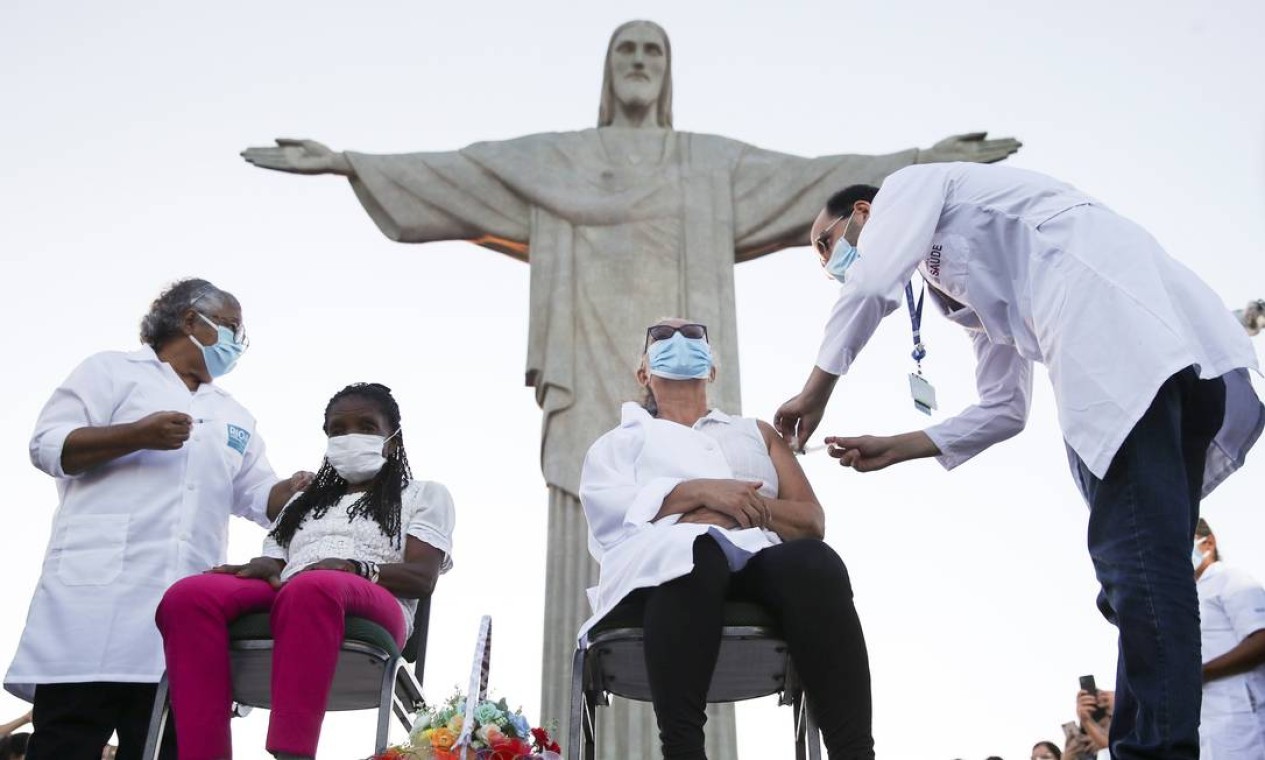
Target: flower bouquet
x: 498, y: 734
x: 473, y: 727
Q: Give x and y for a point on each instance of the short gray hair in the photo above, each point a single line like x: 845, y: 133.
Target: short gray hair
x: 162, y: 323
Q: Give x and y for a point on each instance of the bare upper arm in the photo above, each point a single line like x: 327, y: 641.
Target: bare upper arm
x: 793, y: 484
x: 426, y: 557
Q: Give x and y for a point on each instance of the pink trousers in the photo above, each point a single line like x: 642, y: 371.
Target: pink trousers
x: 307, y: 627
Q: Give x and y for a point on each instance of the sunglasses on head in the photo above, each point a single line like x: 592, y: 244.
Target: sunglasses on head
x: 663, y: 332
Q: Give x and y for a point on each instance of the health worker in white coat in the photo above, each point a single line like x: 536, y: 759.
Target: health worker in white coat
x: 1149, y: 371
x: 1232, y: 621
x: 688, y: 507
x: 150, y: 459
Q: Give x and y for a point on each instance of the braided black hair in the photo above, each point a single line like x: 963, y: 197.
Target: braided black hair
x: 381, y: 501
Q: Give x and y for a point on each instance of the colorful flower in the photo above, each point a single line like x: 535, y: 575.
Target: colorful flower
x: 510, y: 749
x: 489, y: 734
x: 488, y: 712
x: 497, y: 734
x: 443, y: 738
x: 522, y: 729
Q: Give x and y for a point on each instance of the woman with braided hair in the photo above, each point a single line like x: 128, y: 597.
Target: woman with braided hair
x: 365, y: 539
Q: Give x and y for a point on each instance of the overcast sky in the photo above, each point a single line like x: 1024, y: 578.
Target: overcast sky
x: 122, y: 122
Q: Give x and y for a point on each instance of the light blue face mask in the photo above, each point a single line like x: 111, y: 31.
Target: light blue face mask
x: 221, y: 357
x: 680, y: 358
x: 842, y: 256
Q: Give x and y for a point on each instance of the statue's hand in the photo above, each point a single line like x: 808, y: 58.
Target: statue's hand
x: 299, y: 157
x: 969, y: 147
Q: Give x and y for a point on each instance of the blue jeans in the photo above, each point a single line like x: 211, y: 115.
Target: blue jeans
x: 1141, y: 526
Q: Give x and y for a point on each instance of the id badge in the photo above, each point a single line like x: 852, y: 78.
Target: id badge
x: 924, y: 395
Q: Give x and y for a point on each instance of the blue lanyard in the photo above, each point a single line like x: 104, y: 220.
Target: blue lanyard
x: 915, y: 319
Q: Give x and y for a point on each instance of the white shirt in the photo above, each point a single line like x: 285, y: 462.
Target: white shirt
x: 126, y: 530
x: 1231, y: 607
x: 626, y: 476
x: 426, y: 513
x: 1044, y: 273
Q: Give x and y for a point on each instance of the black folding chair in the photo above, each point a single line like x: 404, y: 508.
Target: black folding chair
x: 371, y: 673
x: 753, y: 662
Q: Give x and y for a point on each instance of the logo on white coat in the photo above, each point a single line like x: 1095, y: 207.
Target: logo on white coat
x: 238, y: 438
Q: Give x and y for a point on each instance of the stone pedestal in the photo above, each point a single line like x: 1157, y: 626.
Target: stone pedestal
x: 625, y: 729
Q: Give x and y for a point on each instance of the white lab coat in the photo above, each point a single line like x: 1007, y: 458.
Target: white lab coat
x: 626, y: 476
x: 1040, y: 272
x: 126, y: 530
x: 1231, y: 608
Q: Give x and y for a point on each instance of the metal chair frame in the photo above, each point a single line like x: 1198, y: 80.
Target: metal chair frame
x: 590, y: 688
x: 400, y: 693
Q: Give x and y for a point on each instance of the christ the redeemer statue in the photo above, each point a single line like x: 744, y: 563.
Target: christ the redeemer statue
x: 622, y: 225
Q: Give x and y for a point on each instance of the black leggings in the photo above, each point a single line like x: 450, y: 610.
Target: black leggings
x: 805, y: 586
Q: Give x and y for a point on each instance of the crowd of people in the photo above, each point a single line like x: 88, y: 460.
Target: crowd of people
x: 687, y: 505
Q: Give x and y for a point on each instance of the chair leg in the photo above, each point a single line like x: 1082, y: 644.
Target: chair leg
x: 576, y: 727
x: 812, y: 734
x: 797, y: 721
x: 385, y: 701
x: 407, y: 700
x: 590, y: 727
x: 157, y: 721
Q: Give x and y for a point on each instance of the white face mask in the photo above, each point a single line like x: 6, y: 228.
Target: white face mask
x: 357, y: 457
x: 1197, y: 556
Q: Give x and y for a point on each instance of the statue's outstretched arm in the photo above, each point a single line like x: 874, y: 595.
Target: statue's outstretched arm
x: 299, y: 157
x: 972, y: 146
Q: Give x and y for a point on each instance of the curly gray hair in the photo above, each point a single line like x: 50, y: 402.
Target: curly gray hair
x: 162, y: 323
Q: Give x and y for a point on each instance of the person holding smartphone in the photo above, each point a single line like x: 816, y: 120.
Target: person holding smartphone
x: 1094, y: 710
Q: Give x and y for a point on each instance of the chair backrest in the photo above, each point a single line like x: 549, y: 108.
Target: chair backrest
x: 415, y: 648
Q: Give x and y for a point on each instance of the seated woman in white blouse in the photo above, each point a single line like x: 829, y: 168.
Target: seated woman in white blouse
x: 688, y: 507
x: 364, y: 540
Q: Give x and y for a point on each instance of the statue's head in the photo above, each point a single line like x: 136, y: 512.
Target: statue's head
x: 638, y: 72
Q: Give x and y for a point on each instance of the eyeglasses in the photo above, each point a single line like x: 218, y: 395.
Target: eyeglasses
x: 239, y: 332
x: 822, y: 241
x: 663, y: 332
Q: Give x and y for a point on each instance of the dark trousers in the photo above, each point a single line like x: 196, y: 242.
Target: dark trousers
x: 1141, y: 524
x: 805, y: 586
x: 74, y: 721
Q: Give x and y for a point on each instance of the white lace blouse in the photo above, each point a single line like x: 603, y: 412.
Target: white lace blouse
x: 426, y: 513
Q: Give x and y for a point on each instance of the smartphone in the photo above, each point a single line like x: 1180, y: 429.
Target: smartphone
x: 1087, y: 684
x: 1070, y: 730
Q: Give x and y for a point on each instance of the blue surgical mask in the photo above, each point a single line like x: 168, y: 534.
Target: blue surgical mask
x: 842, y: 256
x: 680, y: 358
x: 221, y: 357
x: 1198, y: 555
